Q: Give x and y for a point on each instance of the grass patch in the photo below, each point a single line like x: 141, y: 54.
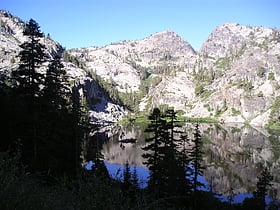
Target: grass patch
x: 139, y: 119
x: 201, y: 120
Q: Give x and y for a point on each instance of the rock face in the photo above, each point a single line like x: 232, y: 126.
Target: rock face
x: 234, y: 77
x: 103, y: 109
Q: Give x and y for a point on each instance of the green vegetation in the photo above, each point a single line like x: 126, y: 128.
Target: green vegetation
x: 207, y: 93
x: 247, y: 122
x: 45, y: 134
x: 199, y: 89
x: 271, y: 76
x: 276, y: 86
x: 141, y: 118
x: 235, y: 112
x: 207, y: 106
x: 223, y: 63
x: 245, y: 84
x: 221, y: 110
x: 72, y: 59
x: 202, y: 120
x: 241, y: 51
x: 235, y: 130
x: 278, y: 58
x: 274, y: 123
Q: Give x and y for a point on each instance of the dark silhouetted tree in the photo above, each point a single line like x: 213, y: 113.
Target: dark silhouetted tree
x: 130, y: 184
x: 176, y: 171
x: 126, y: 177
x: 263, y: 184
x: 153, y: 155
x: 27, y: 83
x: 195, y: 155
x: 27, y: 79
x: 6, y: 112
x: 56, y: 92
x: 167, y: 178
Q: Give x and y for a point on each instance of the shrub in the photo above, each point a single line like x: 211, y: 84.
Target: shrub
x: 235, y: 112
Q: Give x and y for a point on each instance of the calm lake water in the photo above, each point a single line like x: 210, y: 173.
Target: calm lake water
x: 233, y: 156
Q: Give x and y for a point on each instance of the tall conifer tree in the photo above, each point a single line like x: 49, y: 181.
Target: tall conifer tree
x: 27, y: 82
x: 27, y: 77
x: 167, y: 173
x: 55, y: 90
x: 196, y: 155
x: 263, y: 184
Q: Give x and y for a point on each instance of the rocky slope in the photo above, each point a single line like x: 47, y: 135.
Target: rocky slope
x: 234, y: 77
x: 102, y: 107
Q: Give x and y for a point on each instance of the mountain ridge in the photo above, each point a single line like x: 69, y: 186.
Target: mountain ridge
x: 234, y: 77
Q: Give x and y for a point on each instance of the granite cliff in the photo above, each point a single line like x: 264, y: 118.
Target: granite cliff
x: 234, y: 77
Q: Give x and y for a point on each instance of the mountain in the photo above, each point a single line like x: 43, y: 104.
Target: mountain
x: 102, y: 107
x: 234, y: 77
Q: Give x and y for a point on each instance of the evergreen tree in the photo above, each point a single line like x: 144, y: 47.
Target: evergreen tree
x: 134, y: 179
x: 195, y: 155
x: 6, y: 113
x: 80, y: 122
x: 263, y: 184
x: 167, y: 173
x: 176, y: 173
x: 27, y: 78
x: 56, y: 123
x: 27, y: 82
x: 55, y: 92
x: 153, y: 155
x: 127, y: 177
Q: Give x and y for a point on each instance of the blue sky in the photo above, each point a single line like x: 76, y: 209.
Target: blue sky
x: 87, y: 23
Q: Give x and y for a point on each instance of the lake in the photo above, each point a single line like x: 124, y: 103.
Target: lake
x: 233, y: 155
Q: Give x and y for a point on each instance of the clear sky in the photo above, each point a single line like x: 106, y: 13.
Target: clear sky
x: 84, y: 23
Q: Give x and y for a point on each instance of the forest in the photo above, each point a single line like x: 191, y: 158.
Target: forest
x: 45, y: 122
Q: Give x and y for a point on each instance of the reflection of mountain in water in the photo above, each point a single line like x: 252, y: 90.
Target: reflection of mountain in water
x: 233, y: 156
x: 234, y: 159
x: 120, y: 151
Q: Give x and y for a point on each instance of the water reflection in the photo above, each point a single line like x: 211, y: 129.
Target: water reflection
x: 233, y: 155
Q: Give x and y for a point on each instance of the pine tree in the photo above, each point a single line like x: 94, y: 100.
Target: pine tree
x: 56, y: 122
x: 134, y: 179
x: 263, y: 184
x: 176, y: 173
x: 27, y: 78
x: 55, y: 92
x: 27, y: 82
x: 195, y: 155
x: 167, y: 173
x: 127, y: 176
x: 153, y: 155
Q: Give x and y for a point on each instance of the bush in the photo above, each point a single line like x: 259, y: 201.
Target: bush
x: 235, y: 112
x: 199, y: 89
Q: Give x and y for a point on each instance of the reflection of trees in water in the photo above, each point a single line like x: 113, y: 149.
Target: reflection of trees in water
x: 232, y: 155
x: 118, y: 151
x: 234, y: 161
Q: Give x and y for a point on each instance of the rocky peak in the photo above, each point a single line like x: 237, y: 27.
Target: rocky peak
x: 230, y: 38
x: 233, y: 78
x: 222, y: 40
x: 125, y: 62
x: 170, y: 40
